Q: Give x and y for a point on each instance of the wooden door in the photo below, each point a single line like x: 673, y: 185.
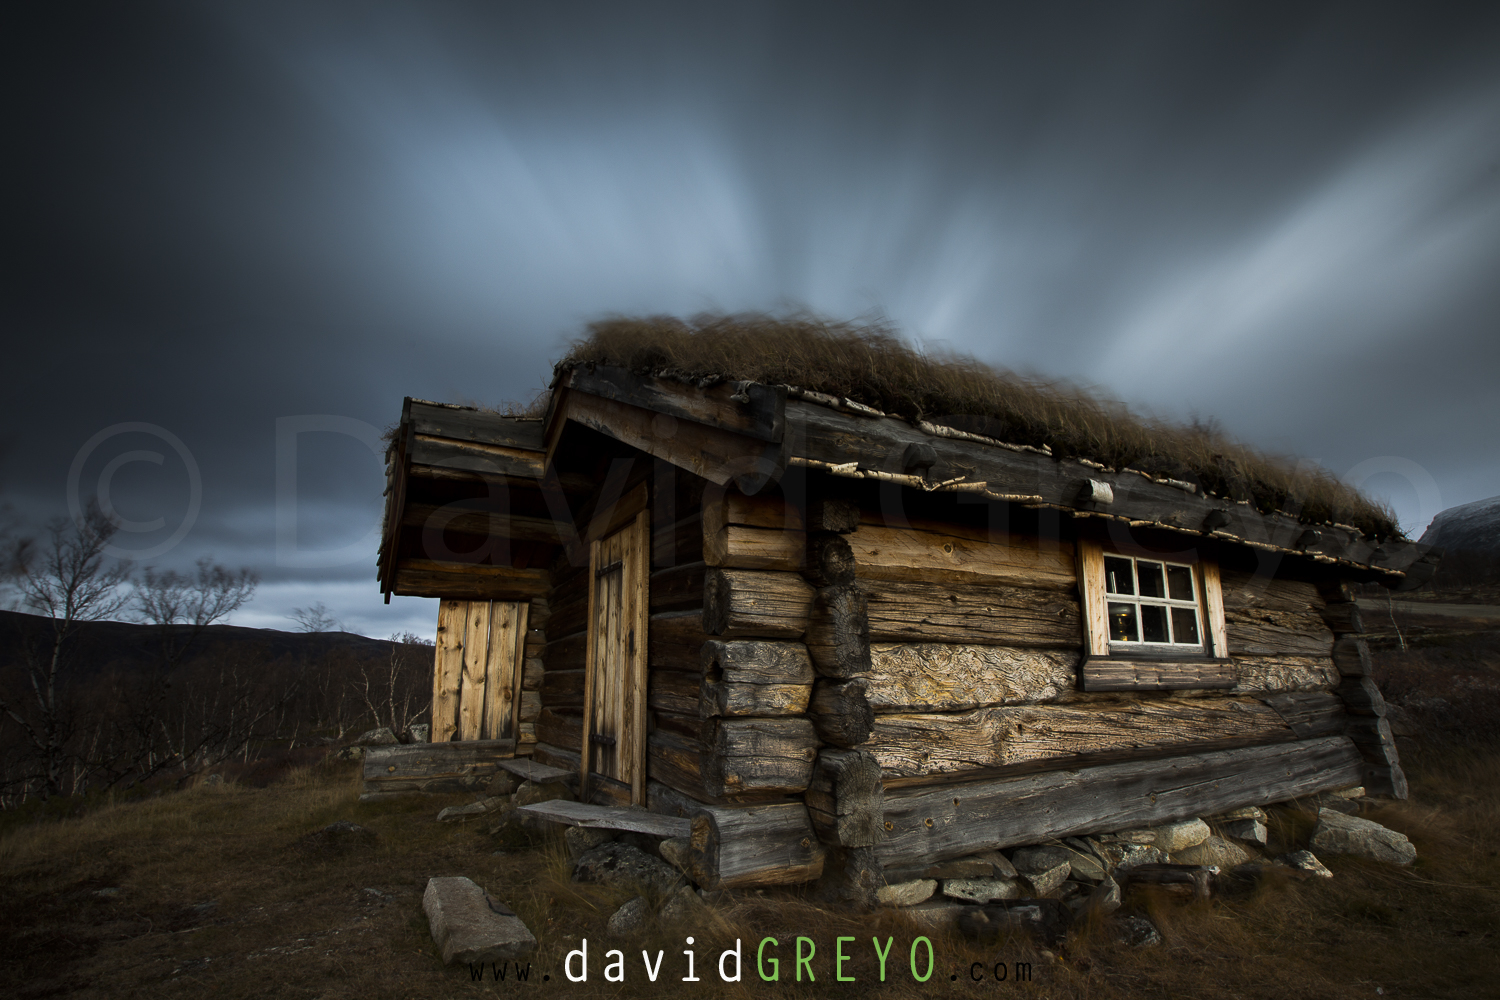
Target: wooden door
x: 476, y: 681
x: 614, y: 703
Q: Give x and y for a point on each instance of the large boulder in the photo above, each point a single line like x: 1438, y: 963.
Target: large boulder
x: 614, y: 863
x: 1341, y: 834
x: 469, y: 925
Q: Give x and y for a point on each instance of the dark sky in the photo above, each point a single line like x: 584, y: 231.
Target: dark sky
x: 221, y: 216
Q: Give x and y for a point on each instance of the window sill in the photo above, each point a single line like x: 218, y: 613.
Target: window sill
x: 1157, y: 673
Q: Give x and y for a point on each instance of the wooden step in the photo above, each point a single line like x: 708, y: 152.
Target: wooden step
x: 610, y: 818
x: 539, y: 774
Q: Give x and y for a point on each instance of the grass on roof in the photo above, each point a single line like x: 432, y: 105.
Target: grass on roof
x: 869, y: 363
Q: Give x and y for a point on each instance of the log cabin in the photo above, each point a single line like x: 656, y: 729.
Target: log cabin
x: 817, y: 626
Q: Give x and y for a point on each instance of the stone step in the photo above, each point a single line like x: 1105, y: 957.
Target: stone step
x: 609, y: 818
x: 539, y: 774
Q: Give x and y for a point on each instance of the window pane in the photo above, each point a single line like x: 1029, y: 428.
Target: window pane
x: 1151, y: 585
x: 1185, y: 626
x: 1122, y: 623
x: 1180, y: 583
x: 1153, y: 623
x: 1117, y: 576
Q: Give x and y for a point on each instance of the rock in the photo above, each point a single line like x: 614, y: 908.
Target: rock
x: 419, y: 733
x: 483, y: 806
x: 1134, y: 836
x: 1034, y: 860
x: 1337, y: 803
x: 937, y: 914
x: 530, y: 792
x: 851, y: 878
x: 1471, y: 528
x: 1342, y: 834
x: 1087, y: 866
x: 1041, y: 884
x: 582, y: 839
x: 613, y: 863
x: 379, y: 737
x: 350, y: 753
x: 1252, y: 830
x: 1215, y: 851
x: 1104, y: 900
x: 684, y: 905
x: 1178, y: 836
x: 676, y: 851
x: 1305, y: 861
x: 989, y: 864
x: 631, y: 917
x: 1352, y: 792
x: 1047, y: 920
x: 501, y: 783
x: 1245, y: 812
x: 1136, y: 932
x: 469, y: 925
x: 1125, y: 856
x: 906, y: 893
x: 980, y: 890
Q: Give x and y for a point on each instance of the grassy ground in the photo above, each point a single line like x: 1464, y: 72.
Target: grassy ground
x: 222, y: 893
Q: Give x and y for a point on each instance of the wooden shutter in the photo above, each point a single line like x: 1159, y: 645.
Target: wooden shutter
x: 614, y: 720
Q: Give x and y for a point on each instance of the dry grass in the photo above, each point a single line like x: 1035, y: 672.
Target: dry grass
x: 869, y: 363
x: 291, y: 921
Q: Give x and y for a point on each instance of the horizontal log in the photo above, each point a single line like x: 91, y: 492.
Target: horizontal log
x: 756, y: 604
x: 846, y: 799
x: 841, y: 713
x: 421, y: 762
x: 760, y: 417
x: 979, y: 614
x: 675, y: 760
x: 672, y: 691
x: 932, y: 677
x: 474, y: 456
x: 465, y: 423
x: 739, y: 547
x: 674, y: 641
x: 1351, y: 656
x: 679, y: 543
x: 1262, y: 632
x: 1125, y: 674
x: 725, y: 507
x: 563, y: 689
x: 686, y: 724
x: 748, y: 846
x: 1261, y: 592
x: 1310, y: 713
x: 756, y: 661
x: 956, y: 554
x: 1257, y: 674
x: 758, y: 755
x: 909, y: 746
x: 567, y: 653
x: 678, y: 588
x: 485, y: 523
x: 723, y: 698
x: 525, y: 737
x: 468, y: 582
x: 566, y: 759
x: 957, y: 820
x: 560, y: 728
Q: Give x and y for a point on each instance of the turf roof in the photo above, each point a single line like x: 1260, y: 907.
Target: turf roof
x: 869, y: 363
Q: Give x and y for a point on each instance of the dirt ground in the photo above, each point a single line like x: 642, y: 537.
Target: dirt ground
x: 226, y: 891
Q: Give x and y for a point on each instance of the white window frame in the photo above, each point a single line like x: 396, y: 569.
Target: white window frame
x: 1137, y: 600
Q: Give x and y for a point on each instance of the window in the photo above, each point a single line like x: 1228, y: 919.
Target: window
x: 1151, y: 623
x: 1152, y: 603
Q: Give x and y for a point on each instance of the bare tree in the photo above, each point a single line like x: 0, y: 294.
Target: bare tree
x: 400, y: 686
x: 67, y: 580
x: 317, y: 618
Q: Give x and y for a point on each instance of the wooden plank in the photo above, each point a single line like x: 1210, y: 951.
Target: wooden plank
x: 755, y: 661
x: 741, y: 603
x: 471, y: 695
x: 1091, y: 589
x: 758, y: 755
x: 463, y: 517
x: 1128, y: 674
x: 746, y: 846
x: 474, y: 456
x: 584, y: 814
x: 469, y: 424
x: 953, y: 554
x: 982, y: 614
x: 468, y: 581
x: 594, y: 642
x: 760, y: 415
x: 869, y: 447
x: 909, y: 746
x: 1213, y: 607
x: 926, y: 825
x: 638, y: 586
x: 423, y: 762
x: 538, y: 773
x: 448, y: 666
x: 932, y: 677
x: 841, y: 713
x: 503, y: 667
x: 846, y: 799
